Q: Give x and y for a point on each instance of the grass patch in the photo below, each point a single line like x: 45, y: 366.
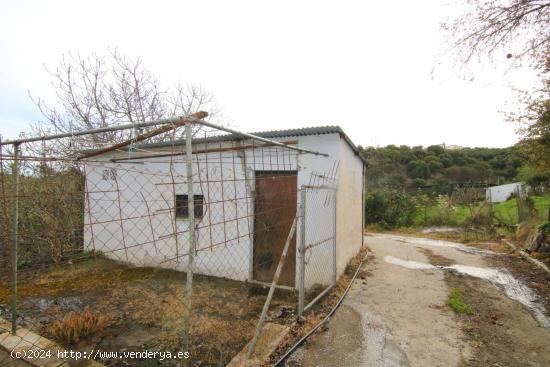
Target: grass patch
x: 456, y: 301
x: 507, y: 212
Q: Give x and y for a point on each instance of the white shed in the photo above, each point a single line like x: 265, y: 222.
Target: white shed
x: 501, y: 193
x: 246, y: 195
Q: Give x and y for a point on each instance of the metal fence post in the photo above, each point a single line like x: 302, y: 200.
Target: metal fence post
x: 191, y: 218
x: 519, y: 204
x: 334, y: 250
x: 301, y: 255
x: 15, y: 172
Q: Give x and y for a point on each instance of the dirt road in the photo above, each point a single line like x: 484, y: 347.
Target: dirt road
x: 399, y: 314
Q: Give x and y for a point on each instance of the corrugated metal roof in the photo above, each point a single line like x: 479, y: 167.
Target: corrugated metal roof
x: 271, y: 134
x: 315, y: 130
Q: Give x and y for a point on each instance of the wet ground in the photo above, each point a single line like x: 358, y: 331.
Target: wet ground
x: 143, y: 308
x: 399, y: 315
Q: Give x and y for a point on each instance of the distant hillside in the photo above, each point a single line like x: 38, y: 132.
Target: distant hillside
x: 436, y: 169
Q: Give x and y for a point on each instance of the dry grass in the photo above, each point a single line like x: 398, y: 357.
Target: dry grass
x: 149, y: 301
x: 144, y: 308
x: 90, y: 275
x: 77, y: 327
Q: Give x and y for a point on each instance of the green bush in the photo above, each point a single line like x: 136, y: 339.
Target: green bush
x: 390, y: 209
x: 545, y: 228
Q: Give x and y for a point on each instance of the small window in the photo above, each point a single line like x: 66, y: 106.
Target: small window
x: 109, y: 174
x: 182, y: 208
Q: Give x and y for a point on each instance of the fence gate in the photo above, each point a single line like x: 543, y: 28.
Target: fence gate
x: 316, y: 245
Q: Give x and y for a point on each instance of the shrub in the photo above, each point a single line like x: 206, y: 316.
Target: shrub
x: 390, y: 209
x: 76, y: 327
x: 445, y: 210
x: 545, y: 228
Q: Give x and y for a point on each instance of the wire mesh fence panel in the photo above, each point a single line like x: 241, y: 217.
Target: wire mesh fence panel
x: 317, y: 253
x: 103, y: 240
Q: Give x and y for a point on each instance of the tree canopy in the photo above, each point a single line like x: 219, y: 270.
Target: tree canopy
x: 437, y: 169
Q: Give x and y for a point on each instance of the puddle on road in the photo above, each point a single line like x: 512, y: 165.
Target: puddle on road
x: 409, y: 263
x: 441, y: 229
x: 501, y: 279
x: 435, y: 243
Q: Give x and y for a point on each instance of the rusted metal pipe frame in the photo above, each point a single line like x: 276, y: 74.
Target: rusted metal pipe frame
x: 258, y: 138
x: 147, y: 135
x: 171, y: 120
x: 201, y: 151
x: 137, y: 125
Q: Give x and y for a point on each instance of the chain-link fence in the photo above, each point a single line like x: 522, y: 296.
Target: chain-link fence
x: 100, y: 241
x: 317, y: 245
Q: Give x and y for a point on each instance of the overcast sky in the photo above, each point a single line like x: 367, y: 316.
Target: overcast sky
x: 363, y: 65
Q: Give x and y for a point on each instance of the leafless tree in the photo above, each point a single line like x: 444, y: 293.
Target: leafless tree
x: 516, y: 29
x: 99, y: 91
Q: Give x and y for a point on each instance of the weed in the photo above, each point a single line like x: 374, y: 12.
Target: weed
x: 456, y: 301
x: 76, y: 327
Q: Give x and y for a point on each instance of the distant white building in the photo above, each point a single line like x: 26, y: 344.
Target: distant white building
x: 501, y: 193
x: 451, y: 146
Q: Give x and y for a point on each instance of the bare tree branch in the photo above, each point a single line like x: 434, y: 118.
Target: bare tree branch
x: 99, y: 91
x: 519, y: 29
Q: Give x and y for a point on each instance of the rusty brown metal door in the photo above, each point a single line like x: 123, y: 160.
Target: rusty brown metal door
x: 275, y: 209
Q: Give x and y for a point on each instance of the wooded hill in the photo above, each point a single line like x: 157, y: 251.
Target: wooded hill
x: 437, y: 170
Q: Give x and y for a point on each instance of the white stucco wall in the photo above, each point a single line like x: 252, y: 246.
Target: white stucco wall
x: 145, y: 235
x: 349, y: 207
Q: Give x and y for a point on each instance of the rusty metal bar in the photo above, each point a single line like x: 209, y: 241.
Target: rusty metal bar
x: 206, y: 150
x: 147, y: 135
x: 150, y: 222
x: 138, y: 125
x: 258, y: 138
x: 272, y: 289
